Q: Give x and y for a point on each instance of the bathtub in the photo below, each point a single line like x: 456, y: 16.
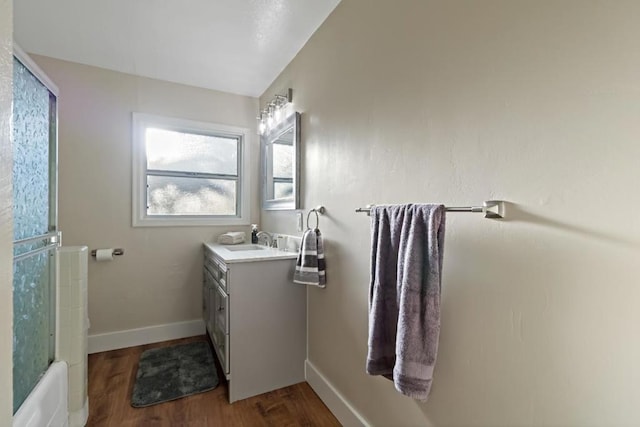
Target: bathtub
x: 46, y: 406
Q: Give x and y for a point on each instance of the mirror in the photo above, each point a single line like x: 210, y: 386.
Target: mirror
x: 280, y: 165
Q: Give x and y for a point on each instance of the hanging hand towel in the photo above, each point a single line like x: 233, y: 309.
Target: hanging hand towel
x: 310, y: 266
x: 404, y: 299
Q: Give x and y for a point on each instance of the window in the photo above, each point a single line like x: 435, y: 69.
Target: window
x: 188, y: 173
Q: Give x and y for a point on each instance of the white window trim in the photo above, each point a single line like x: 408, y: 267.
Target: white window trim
x: 138, y: 190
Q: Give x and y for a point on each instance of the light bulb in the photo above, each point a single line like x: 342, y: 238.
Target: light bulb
x: 277, y: 115
x: 270, y: 117
x: 262, y: 127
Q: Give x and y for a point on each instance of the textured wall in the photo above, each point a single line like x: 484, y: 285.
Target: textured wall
x: 6, y: 224
x: 159, y: 279
x: 533, y: 102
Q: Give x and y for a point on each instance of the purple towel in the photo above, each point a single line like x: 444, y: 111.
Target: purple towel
x: 404, y: 301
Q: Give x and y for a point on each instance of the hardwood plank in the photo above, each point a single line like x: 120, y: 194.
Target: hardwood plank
x: 112, y: 375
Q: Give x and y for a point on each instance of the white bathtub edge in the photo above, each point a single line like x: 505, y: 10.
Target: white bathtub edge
x: 47, y: 403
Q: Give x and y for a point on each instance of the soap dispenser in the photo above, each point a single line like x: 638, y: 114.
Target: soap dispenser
x: 254, y: 233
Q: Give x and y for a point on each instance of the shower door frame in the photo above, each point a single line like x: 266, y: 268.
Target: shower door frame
x: 52, y: 238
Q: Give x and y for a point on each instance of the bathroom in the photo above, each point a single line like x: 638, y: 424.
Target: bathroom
x: 457, y: 102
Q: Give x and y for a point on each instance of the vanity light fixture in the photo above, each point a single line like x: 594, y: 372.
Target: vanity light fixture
x: 272, y: 113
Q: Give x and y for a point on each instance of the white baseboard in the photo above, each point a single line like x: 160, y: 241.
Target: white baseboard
x: 337, y: 404
x: 133, y: 337
x: 79, y: 418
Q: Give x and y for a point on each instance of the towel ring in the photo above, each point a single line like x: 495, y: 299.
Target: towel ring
x: 317, y: 218
x: 317, y: 210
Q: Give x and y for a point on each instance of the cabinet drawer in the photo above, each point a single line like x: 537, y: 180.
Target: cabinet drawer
x: 209, y: 263
x: 221, y: 344
x: 222, y: 276
x: 222, y: 310
x: 210, y: 268
x: 217, y: 270
x: 209, y: 280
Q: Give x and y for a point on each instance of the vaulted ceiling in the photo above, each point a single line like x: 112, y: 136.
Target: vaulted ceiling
x: 236, y: 46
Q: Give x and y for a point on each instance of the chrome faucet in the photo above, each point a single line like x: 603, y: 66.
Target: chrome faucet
x: 265, y: 238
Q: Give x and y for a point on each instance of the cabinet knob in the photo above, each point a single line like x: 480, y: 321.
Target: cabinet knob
x: 220, y: 308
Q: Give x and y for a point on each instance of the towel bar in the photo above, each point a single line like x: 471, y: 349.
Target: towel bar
x: 490, y: 208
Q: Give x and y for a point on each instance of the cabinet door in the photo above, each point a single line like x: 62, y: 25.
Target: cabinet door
x: 222, y: 311
x: 212, y: 308
x: 205, y: 300
x: 208, y: 300
x: 221, y: 345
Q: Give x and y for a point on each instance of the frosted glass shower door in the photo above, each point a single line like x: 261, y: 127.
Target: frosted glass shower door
x: 34, y: 230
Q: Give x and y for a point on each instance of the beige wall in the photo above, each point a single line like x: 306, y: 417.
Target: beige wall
x: 533, y: 102
x: 6, y: 223
x: 159, y: 278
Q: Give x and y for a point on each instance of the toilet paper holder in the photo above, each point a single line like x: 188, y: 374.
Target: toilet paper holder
x: 116, y: 251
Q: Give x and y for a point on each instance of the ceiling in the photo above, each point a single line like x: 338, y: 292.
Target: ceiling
x: 236, y: 46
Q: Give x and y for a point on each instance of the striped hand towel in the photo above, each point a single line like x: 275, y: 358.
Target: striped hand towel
x: 310, y: 266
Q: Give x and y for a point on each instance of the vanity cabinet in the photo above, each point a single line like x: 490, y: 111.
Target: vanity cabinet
x: 256, y: 319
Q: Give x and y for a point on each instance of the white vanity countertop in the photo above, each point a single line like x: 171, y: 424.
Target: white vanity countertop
x: 231, y: 256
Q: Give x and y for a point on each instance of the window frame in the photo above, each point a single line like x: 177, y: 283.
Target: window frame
x: 140, y: 218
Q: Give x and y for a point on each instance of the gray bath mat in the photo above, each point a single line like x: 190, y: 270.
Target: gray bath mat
x: 169, y: 373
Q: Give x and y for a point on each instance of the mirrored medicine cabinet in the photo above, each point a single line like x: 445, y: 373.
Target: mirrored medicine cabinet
x: 280, y: 165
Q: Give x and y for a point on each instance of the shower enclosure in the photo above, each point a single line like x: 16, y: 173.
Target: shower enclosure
x: 34, y: 140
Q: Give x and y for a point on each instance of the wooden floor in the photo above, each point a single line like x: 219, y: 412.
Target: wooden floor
x: 112, y: 375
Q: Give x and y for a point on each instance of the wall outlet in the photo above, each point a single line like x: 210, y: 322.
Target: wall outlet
x: 299, y: 224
